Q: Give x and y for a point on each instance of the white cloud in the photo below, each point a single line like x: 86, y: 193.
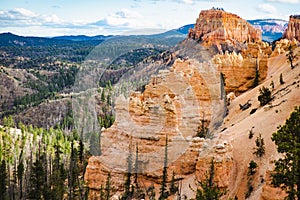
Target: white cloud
x: 17, y: 14
x: 285, y: 1
x: 267, y: 8
x: 124, y: 17
x: 19, y: 17
x: 20, y: 21
x: 188, y: 1
x: 52, y: 19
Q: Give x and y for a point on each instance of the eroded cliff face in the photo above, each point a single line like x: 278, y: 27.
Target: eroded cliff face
x: 240, y: 69
x: 174, y: 105
x: 242, y: 56
x: 282, y: 46
x: 216, y: 27
x: 293, y: 29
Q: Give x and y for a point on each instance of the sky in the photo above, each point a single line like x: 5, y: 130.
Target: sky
x: 111, y: 17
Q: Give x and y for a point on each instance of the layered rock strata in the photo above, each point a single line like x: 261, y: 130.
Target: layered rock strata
x: 215, y: 26
x: 173, y: 106
x: 293, y: 29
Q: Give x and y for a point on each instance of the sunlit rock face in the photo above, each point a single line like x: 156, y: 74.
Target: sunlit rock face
x: 242, y: 55
x: 240, y: 69
x: 293, y: 29
x: 216, y: 26
x: 172, y: 107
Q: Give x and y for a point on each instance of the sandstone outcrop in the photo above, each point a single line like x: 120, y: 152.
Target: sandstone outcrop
x: 221, y: 154
x: 283, y: 45
x: 293, y: 29
x: 215, y: 26
x: 173, y: 105
x: 242, y: 56
x: 241, y: 69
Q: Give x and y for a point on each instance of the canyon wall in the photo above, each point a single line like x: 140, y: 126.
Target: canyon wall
x: 242, y: 69
x: 293, y: 29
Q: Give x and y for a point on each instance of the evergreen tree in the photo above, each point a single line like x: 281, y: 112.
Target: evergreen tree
x: 208, y: 189
x: 281, y: 79
x: 264, y: 96
x: 251, y: 168
x: 136, y: 166
x: 287, y: 169
x: 73, y: 173
x: 108, y: 187
x: 9, y: 122
x: 58, y: 176
x: 256, y: 79
x: 272, y: 85
x: 20, y: 172
x: 103, y: 95
x: 3, y: 179
x: 102, y: 193
x: 36, y: 179
x: 173, y: 187
x: 291, y: 56
x: 127, y: 189
x: 81, y: 150
x: 260, y: 146
x: 163, y: 188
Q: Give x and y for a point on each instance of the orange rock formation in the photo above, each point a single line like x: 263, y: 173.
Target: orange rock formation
x: 216, y: 26
x: 293, y: 29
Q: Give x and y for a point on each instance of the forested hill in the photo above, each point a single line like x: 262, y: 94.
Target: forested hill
x: 9, y: 39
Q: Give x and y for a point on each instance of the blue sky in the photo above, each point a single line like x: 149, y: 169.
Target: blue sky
x: 100, y: 17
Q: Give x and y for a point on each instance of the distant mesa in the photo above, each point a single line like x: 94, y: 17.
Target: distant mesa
x: 272, y: 29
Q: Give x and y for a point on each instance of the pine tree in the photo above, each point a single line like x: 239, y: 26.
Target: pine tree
x: 103, y: 95
x: 272, y: 85
x: 291, y: 56
x: 108, y: 187
x: 136, y: 166
x: 163, y: 188
x: 36, y: 179
x: 58, y: 175
x: 208, y: 189
x: 20, y: 173
x: 281, y: 79
x: 287, y: 169
x: 73, y: 173
x: 264, y: 96
x: 102, y: 193
x: 256, y: 79
x: 173, y: 187
x: 127, y: 189
x: 260, y: 146
x: 3, y: 179
x: 251, y: 168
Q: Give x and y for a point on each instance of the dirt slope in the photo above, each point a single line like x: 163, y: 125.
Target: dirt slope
x: 264, y: 121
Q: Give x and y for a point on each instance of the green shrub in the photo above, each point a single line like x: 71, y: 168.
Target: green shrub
x: 264, y: 96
